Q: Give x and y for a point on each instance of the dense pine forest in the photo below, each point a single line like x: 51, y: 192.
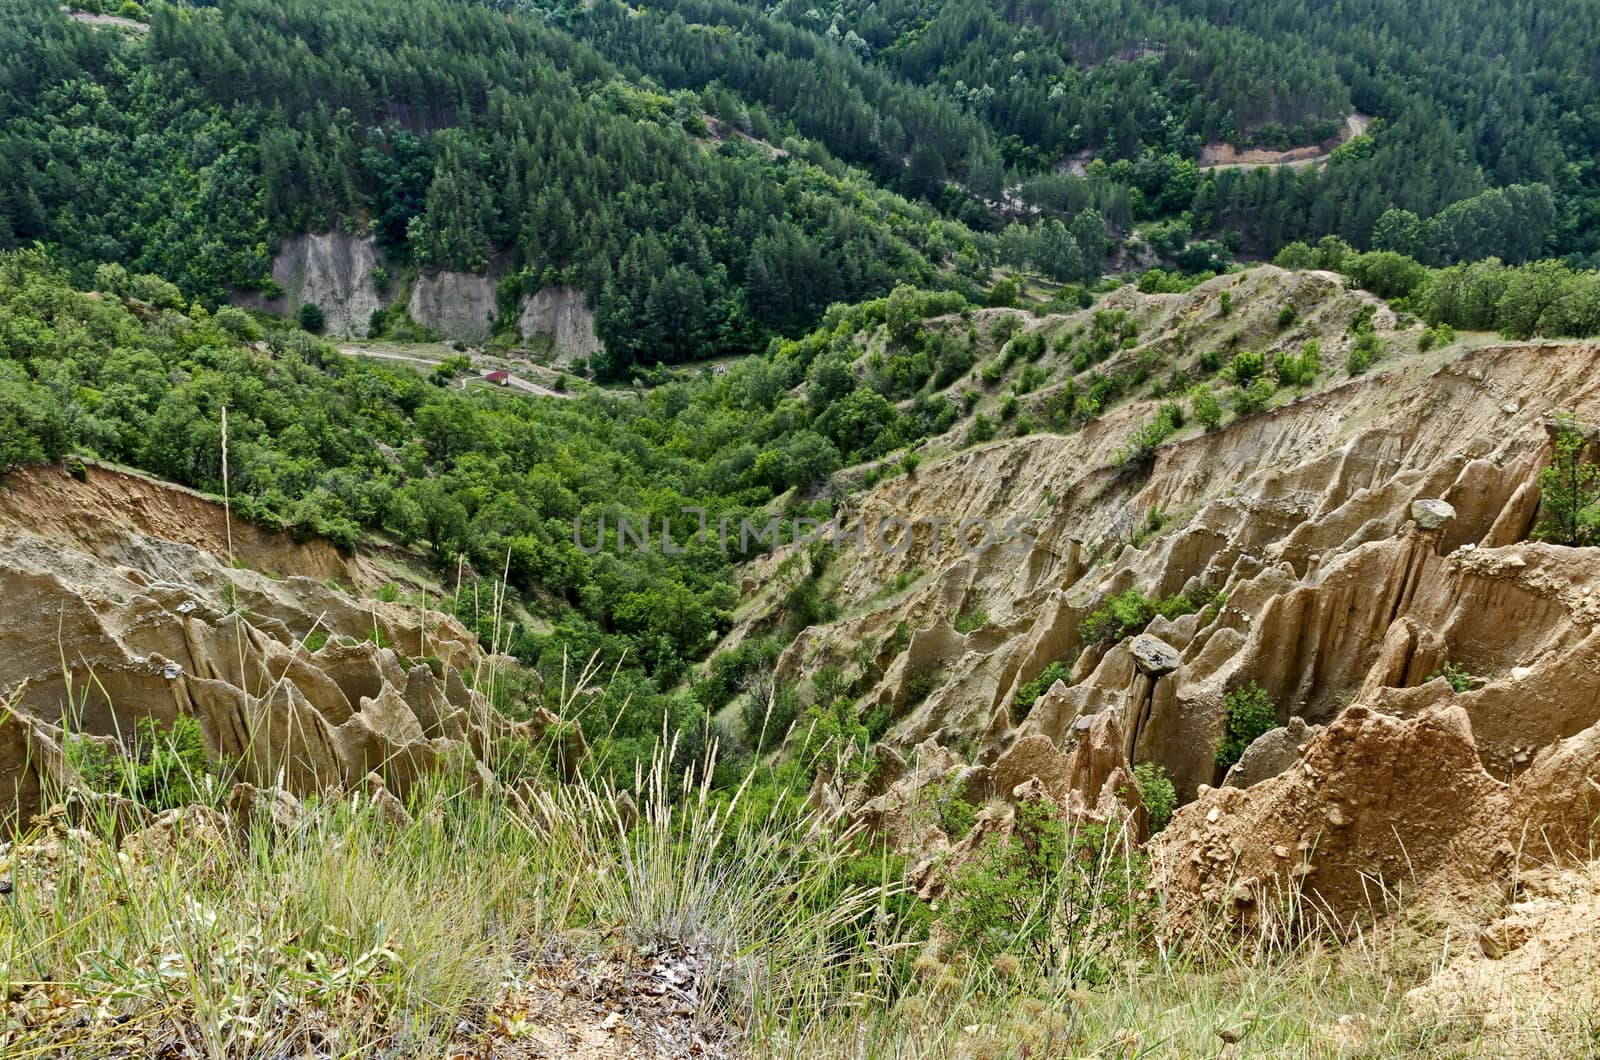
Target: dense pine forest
x: 712, y: 173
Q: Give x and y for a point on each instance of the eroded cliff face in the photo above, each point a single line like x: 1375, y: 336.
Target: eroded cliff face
x: 456, y: 305
x: 120, y: 604
x: 334, y: 271
x: 1332, y: 585
x: 561, y: 314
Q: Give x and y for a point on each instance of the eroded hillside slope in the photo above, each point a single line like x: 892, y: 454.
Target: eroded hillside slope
x: 1340, y: 549
x: 121, y: 605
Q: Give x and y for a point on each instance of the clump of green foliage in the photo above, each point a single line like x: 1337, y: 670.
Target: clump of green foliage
x: 310, y: 318
x: 1459, y: 677
x: 982, y: 430
x: 1440, y: 334
x: 1028, y: 694
x: 1569, y: 489
x: 835, y: 733
x: 968, y: 621
x: 1127, y: 613
x: 952, y: 813
x: 1157, y: 793
x: 1246, y: 367
x: 1250, y: 713
x: 1205, y: 407
x: 165, y: 767
x: 767, y: 718
x: 1073, y: 898
x: 1155, y: 520
x: 1004, y: 293
x: 1122, y: 615
x: 1361, y: 355
x: 1299, y: 370
x: 1140, y: 447
x: 1253, y: 398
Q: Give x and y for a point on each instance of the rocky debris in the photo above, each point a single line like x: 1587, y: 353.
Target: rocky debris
x: 1431, y: 514
x: 248, y: 806
x: 48, y: 856
x: 198, y: 837
x: 1377, y: 807
x: 646, y: 1004
x: 1556, y: 801
x: 1271, y: 753
x: 1543, y: 948
x: 1154, y: 656
x: 390, y: 810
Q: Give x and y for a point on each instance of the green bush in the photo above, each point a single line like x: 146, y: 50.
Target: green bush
x: 1160, y: 798
x: 1205, y: 407
x: 767, y: 718
x: 1253, y: 398
x: 1028, y: 694
x: 1142, y: 442
x: 970, y: 620
x: 164, y: 769
x: 1121, y: 616
x: 310, y: 317
x: 1246, y: 367
x: 1075, y: 900
x: 1297, y: 370
x: 1003, y: 294
x: 1459, y: 678
x: 1250, y: 713
x: 1569, y: 490
x: 236, y: 322
x: 1363, y: 353
x: 982, y: 430
x: 953, y: 814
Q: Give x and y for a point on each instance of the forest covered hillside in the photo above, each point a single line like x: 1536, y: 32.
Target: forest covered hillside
x: 923, y: 528
x: 713, y: 173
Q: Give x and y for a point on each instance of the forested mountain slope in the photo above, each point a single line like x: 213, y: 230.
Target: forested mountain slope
x: 458, y: 136
x: 711, y: 174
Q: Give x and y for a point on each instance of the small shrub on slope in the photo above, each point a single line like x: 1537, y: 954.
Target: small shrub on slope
x: 1250, y: 713
x: 1156, y: 791
x: 1070, y: 897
